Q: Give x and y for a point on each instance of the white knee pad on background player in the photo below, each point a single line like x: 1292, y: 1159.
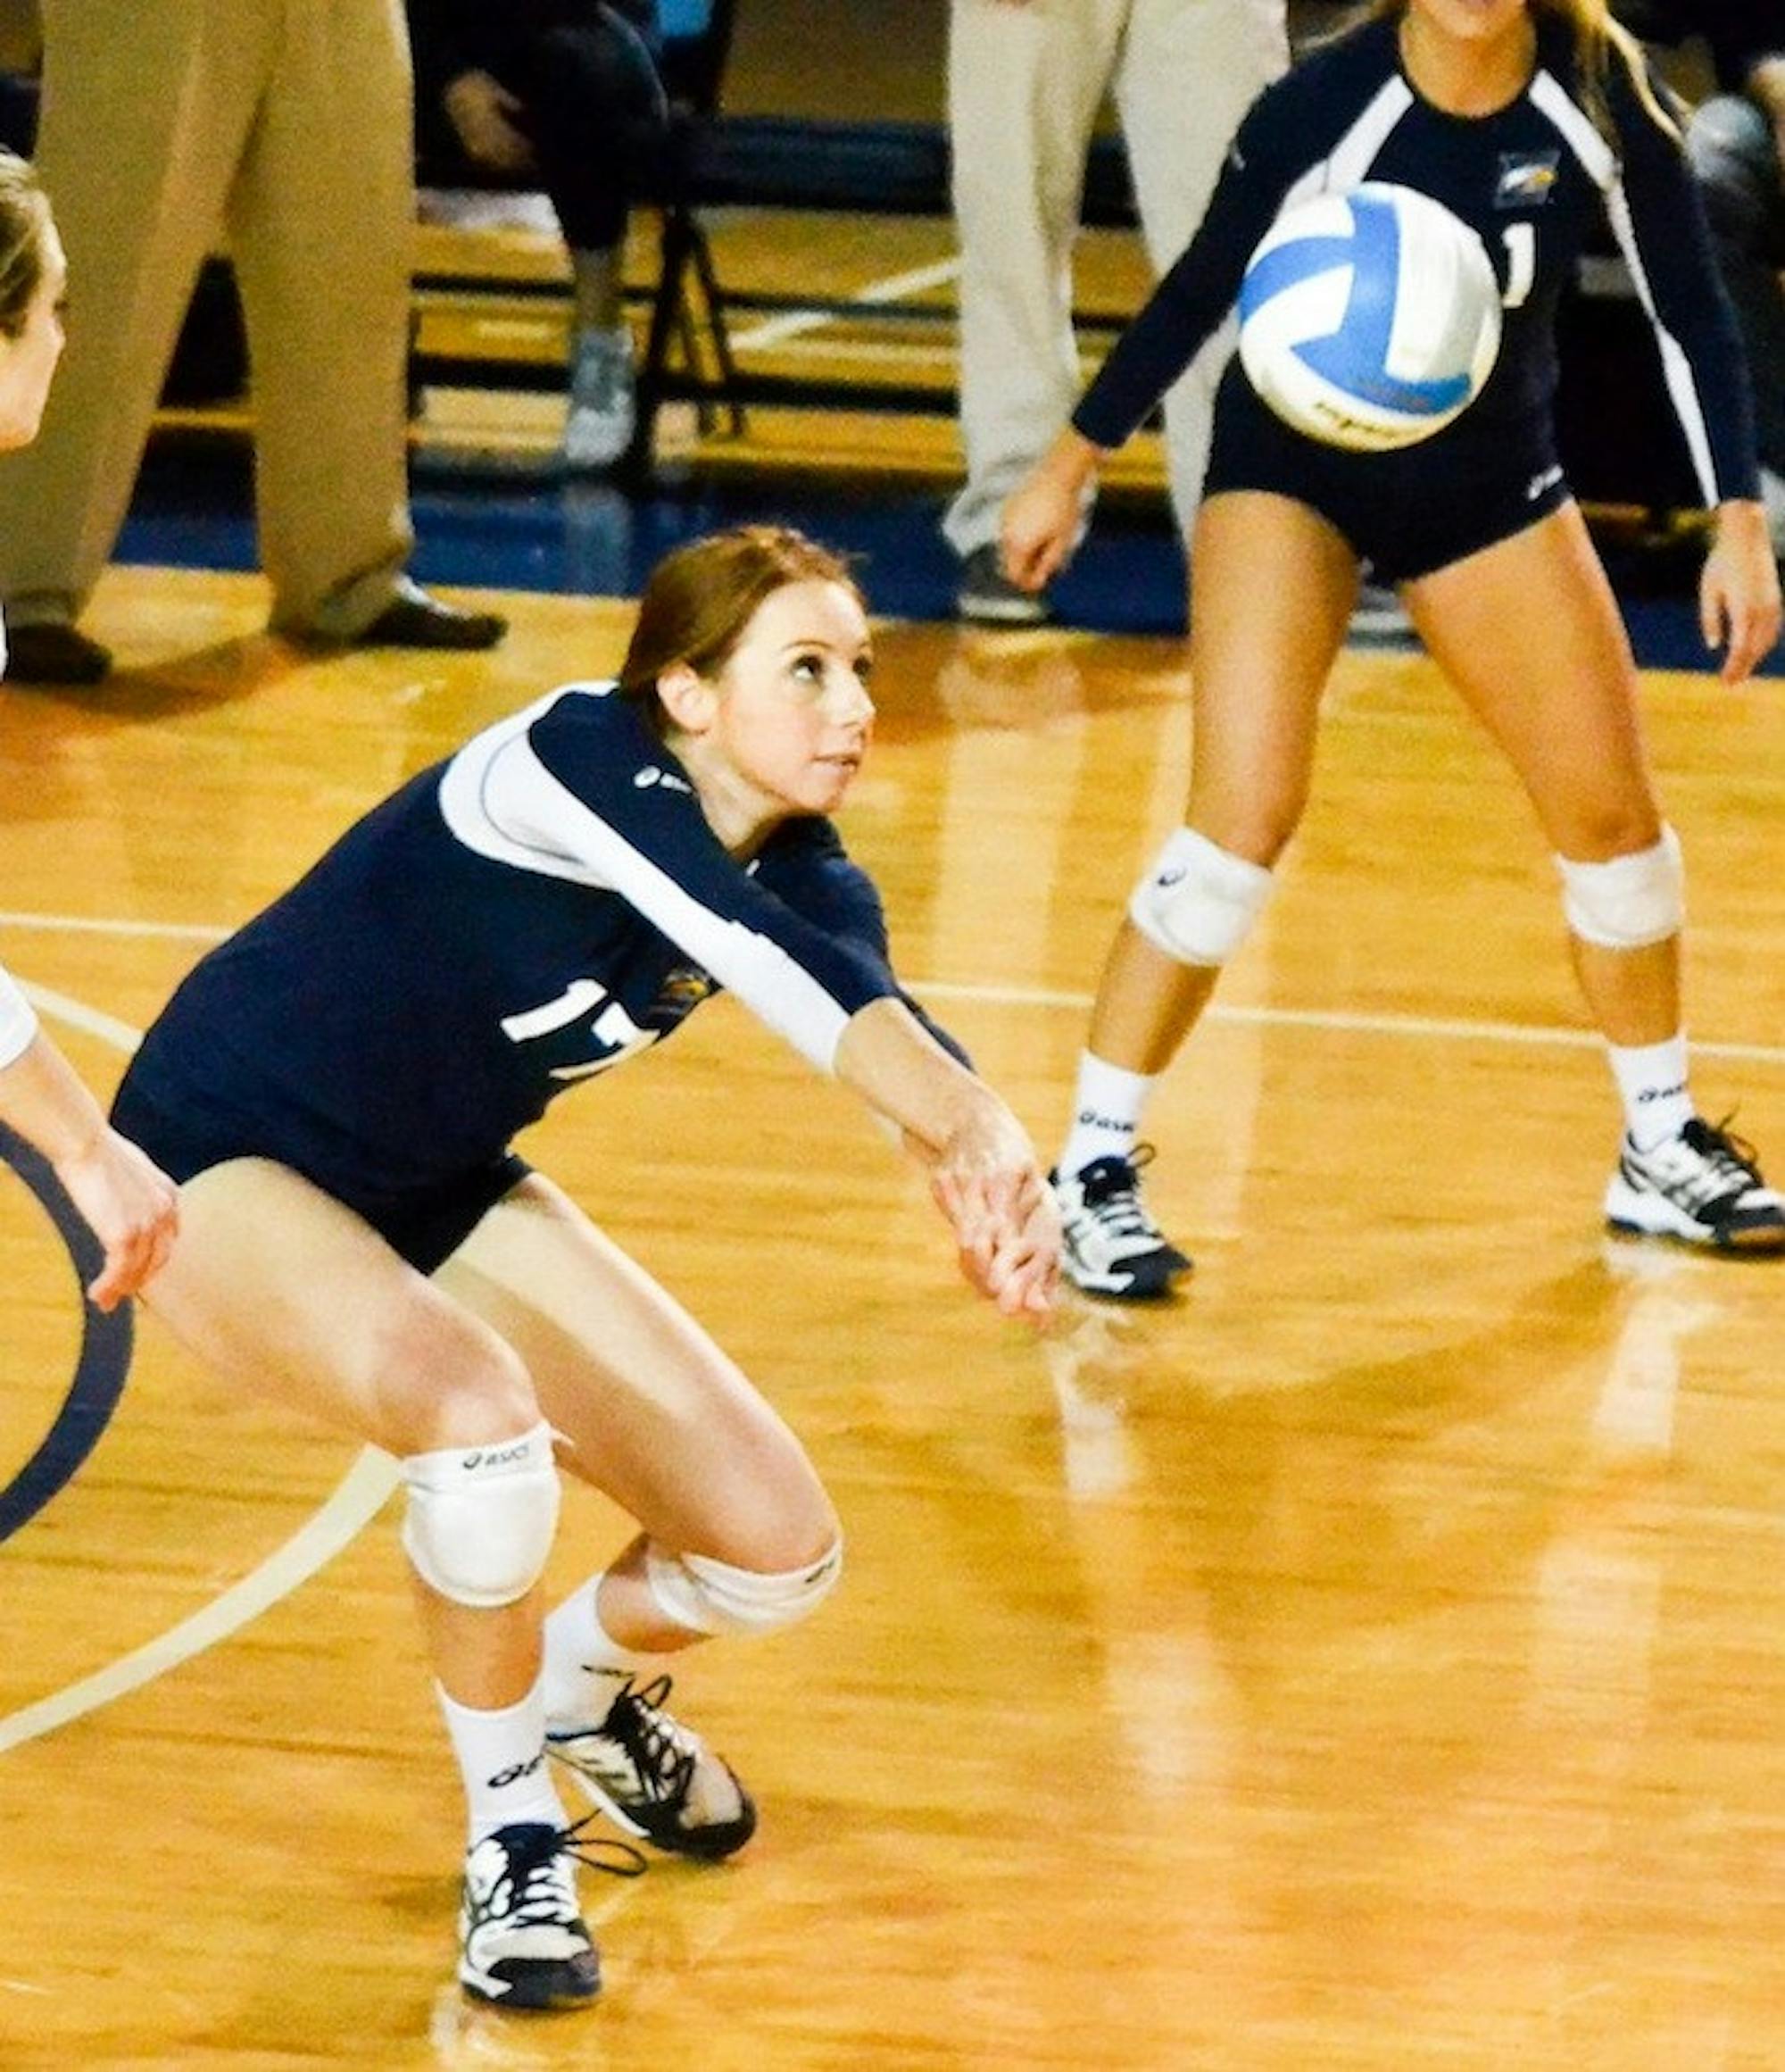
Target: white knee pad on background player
x: 1630, y: 902
x: 712, y: 1597
x: 1199, y: 902
x: 480, y: 1519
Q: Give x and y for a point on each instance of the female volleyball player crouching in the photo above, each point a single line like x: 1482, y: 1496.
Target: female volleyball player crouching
x: 131, y: 1207
x: 336, y: 1088
x: 1522, y: 117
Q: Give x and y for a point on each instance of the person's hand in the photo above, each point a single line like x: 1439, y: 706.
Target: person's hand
x: 1739, y: 590
x: 486, y: 114
x: 1001, y: 1212
x: 132, y: 1206
x: 1039, y: 525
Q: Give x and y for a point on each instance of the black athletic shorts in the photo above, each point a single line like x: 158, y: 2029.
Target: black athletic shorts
x: 1406, y: 514
x: 424, y: 1224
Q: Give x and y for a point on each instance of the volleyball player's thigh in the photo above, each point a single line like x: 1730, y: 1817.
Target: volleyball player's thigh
x: 1529, y: 631
x: 278, y: 1288
x: 1273, y: 587
x: 654, y: 1412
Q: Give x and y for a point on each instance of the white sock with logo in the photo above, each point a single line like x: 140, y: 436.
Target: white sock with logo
x: 502, y: 1759
x: 1106, y: 1114
x: 1651, y: 1080
x: 585, y: 1665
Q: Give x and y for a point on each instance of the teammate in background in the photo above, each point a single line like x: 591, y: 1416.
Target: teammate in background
x: 1523, y: 117
x: 336, y: 1087
x: 131, y: 1207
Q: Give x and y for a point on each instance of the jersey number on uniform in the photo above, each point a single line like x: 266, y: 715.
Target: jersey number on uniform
x: 613, y: 1028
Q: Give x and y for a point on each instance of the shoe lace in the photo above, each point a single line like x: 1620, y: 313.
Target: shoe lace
x: 662, y: 1753
x: 1112, y: 1193
x: 1731, y: 1160
x: 542, y: 1895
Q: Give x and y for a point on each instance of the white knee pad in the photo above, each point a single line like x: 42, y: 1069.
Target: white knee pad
x: 480, y: 1519
x: 710, y: 1596
x: 1198, y: 900
x: 1629, y: 902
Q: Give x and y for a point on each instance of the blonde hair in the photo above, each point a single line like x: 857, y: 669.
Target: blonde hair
x: 1599, y: 40
x: 699, y: 600
x: 25, y: 222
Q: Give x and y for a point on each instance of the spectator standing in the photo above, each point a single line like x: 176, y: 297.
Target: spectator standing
x: 287, y: 124
x: 1027, y: 82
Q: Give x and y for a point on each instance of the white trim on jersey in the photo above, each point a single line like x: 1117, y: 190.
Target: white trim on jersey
x: 1348, y: 164
x: 18, y: 1021
x: 1601, y: 165
x: 499, y: 799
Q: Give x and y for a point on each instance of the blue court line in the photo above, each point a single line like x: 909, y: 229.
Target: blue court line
x: 100, y: 1368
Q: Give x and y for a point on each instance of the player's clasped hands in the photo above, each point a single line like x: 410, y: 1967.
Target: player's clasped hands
x: 1006, y: 1226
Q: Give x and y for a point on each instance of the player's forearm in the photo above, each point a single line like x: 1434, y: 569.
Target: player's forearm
x: 41, y: 1099
x: 898, y: 1068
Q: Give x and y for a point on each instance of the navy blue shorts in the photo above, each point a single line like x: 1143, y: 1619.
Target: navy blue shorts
x: 1405, y: 513
x: 425, y: 1225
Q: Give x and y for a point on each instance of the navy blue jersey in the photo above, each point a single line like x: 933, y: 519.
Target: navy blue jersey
x: 525, y: 915
x: 1534, y: 180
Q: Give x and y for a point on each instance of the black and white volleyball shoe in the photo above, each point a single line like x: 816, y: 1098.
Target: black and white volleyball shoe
x: 642, y: 1768
x: 1112, y: 1245
x: 1700, y: 1187
x: 522, y: 1942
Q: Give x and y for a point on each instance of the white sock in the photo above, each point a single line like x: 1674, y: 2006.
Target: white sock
x: 1106, y: 1114
x: 1651, y: 1080
x: 502, y: 1759
x: 585, y: 1665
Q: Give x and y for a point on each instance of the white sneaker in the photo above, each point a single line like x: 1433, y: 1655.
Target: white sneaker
x: 642, y: 1768
x: 1112, y: 1246
x: 603, y: 409
x: 521, y: 1938
x: 1700, y: 1187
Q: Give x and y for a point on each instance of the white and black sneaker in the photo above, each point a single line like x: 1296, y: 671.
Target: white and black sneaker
x: 988, y: 596
x: 1701, y: 1188
x: 1112, y: 1246
x: 521, y: 1939
x: 655, y: 1776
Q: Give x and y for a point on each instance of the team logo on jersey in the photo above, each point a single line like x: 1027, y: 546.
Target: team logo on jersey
x: 1526, y: 177
x: 683, y: 989
x: 650, y: 775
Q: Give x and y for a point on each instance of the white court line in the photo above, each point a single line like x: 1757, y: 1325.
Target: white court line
x: 1418, y: 1027
x: 357, y: 1499
x: 795, y: 323
x: 1421, y: 1027
x: 91, y: 925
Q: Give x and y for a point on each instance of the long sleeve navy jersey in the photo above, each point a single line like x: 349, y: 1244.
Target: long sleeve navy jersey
x: 543, y: 904
x: 1531, y: 179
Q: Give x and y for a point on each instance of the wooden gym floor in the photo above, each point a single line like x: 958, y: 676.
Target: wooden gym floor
x: 1369, y: 1660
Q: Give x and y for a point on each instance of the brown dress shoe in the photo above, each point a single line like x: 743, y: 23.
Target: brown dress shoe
x: 53, y: 652
x: 416, y: 620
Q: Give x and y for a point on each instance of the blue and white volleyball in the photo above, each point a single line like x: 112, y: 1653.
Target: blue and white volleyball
x: 1369, y: 320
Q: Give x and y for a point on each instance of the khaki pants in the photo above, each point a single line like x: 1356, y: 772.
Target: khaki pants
x: 1026, y: 81
x: 284, y: 126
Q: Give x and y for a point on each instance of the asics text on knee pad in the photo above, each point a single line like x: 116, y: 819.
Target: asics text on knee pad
x: 1198, y: 900
x: 480, y: 1519
x: 711, y: 1597
x: 1630, y: 902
